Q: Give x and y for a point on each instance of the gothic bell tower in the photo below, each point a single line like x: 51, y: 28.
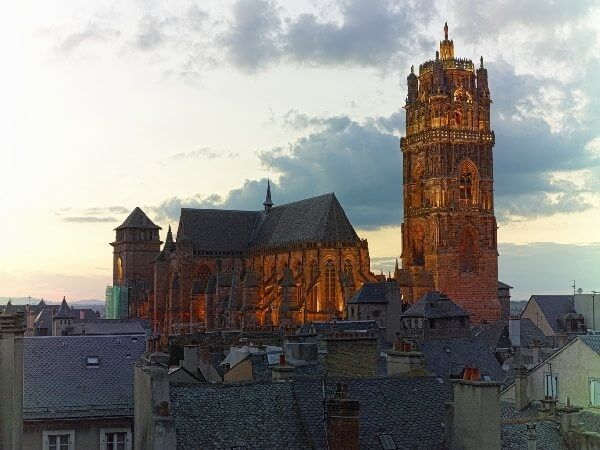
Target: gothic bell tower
x: 449, y: 230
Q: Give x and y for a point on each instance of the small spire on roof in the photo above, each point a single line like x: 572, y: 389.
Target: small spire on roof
x: 481, y: 62
x: 445, y: 30
x: 268, y: 203
x: 169, y: 238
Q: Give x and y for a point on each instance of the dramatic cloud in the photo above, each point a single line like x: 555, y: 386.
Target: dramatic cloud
x: 251, y: 41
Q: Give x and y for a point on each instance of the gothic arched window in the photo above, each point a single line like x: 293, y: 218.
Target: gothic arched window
x: 467, y: 250
x: 348, y: 267
x: 203, y: 273
x: 467, y: 183
x: 457, y: 118
x: 330, y: 283
x: 119, y: 269
x: 419, y: 186
x: 418, y: 246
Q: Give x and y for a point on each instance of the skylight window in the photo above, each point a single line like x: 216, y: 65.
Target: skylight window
x: 92, y: 362
x: 386, y: 441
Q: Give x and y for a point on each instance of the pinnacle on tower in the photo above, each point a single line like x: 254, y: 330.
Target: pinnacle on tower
x: 268, y: 203
x: 169, y: 238
x: 446, y: 30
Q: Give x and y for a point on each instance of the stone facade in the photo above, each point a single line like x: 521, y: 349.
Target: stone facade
x: 351, y: 355
x: 449, y: 230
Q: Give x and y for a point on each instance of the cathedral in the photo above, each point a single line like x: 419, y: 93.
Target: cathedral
x: 281, y: 266
x: 289, y: 264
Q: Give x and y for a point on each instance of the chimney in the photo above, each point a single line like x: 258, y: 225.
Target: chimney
x: 190, y: 358
x: 521, y: 388
x: 351, y: 355
x: 154, y: 425
x: 342, y: 420
x: 406, y: 360
x: 475, y: 414
x: 282, y: 371
x: 531, y: 436
x: 514, y: 331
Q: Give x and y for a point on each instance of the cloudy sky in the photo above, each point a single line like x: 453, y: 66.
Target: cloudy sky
x: 108, y: 105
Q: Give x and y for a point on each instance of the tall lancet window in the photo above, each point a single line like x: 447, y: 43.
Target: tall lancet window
x: 330, y: 284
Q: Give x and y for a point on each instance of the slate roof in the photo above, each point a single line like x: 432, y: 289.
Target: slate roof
x: 376, y: 292
x: 513, y: 429
x: 64, y: 312
x: 435, y: 305
x: 138, y: 219
x: 220, y: 230
x: 592, y: 341
x: 530, y: 333
x: 411, y: 410
x: 317, y: 219
x: 447, y: 358
x: 44, y: 319
x: 496, y: 334
x: 552, y: 306
x: 217, y: 416
x: 502, y: 285
x: 57, y: 383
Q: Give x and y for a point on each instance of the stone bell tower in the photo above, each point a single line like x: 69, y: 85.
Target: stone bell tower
x: 135, y: 249
x: 449, y: 230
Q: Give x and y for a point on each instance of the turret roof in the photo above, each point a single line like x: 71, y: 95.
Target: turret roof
x: 138, y: 219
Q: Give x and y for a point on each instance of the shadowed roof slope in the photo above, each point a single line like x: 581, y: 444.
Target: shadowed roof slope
x: 317, y: 219
x: 253, y: 416
x: 411, y: 410
x: 592, y: 341
x: 433, y: 305
x: 58, y: 383
x: 138, y: 219
x: 377, y: 292
x: 217, y: 229
x: 552, y: 306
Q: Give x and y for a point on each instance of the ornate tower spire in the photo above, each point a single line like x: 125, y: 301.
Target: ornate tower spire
x: 169, y: 238
x: 446, y: 46
x: 268, y: 203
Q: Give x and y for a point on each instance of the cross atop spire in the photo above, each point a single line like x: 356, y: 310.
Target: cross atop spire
x: 268, y: 203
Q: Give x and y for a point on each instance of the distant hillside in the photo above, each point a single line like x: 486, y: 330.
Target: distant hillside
x: 34, y: 301
x: 517, y: 307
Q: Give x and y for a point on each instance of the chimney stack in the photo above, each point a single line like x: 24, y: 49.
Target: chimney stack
x: 351, y: 355
x: 342, y: 420
x: 475, y: 414
x: 521, y: 388
x: 405, y: 359
x: 190, y: 358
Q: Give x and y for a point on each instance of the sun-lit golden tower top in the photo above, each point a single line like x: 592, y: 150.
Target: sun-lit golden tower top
x: 446, y: 46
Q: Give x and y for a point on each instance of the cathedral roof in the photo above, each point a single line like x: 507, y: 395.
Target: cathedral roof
x: 138, y: 219
x: 316, y: 219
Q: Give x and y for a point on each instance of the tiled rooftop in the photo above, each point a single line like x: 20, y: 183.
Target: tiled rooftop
x: 58, y: 382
